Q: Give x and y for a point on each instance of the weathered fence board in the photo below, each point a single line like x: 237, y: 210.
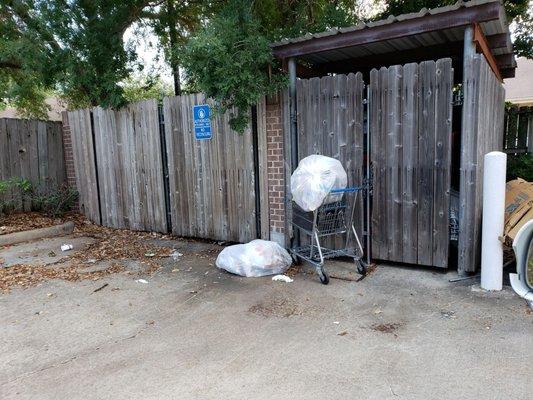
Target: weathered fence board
x: 33, y: 150
x: 409, y: 143
x: 442, y: 163
x: 211, y: 182
x: 482, y: 132
x: 330, y: 123
x: 84, y: 163
x: 410, y: 124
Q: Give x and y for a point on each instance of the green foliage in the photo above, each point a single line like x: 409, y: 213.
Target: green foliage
x: 73, y: 46
x: 520, y: 166
x: 21, y: 83
x: 12, y: 191
x: 92, y: 58
x: 55, y: 202
x: 173, y: 21
x: 281, y: 19
x: 17, y: 191
x: 230, y: 58
x: 145, y: 88
x: 523, y: 42
x: 76, y: 47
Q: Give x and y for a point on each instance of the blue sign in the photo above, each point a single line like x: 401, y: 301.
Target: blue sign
x: 202, y: 122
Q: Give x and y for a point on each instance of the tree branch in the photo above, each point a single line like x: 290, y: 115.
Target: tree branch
x: 10, y: 64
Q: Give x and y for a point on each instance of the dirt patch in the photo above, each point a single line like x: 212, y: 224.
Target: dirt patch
x: 278, y: 307
x: 386, y: 328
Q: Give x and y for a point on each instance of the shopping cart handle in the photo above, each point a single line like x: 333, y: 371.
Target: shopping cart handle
x: 347, y: 190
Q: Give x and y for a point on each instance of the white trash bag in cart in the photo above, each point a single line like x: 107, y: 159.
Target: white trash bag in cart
x: 314, y: 178
x: 256, y: 258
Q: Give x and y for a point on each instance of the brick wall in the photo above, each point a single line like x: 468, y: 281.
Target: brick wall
x: 69, y: 160
x: 275, y: 168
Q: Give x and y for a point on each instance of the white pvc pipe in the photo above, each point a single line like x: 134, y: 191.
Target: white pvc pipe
x: 493, y: 220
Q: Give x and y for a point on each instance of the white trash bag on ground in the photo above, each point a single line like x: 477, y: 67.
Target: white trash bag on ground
x: 314, y: 178
x: 256, y: 258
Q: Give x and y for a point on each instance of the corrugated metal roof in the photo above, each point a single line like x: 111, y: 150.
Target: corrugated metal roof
x: 502, y: 24
x: 496, y: 25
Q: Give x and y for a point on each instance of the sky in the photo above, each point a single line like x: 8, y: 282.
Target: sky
x: 146, y: 46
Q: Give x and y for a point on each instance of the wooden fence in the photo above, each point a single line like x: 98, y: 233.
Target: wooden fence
x: 482, y: 132
x: 121, y: 158
x: 33, y: 150
x: 211, y: 182
x: 518, y: 138
x: 410, y: 125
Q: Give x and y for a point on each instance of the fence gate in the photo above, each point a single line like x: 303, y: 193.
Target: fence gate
x: 330, y: 123
x: 410, y: 110
x: 410, y: 125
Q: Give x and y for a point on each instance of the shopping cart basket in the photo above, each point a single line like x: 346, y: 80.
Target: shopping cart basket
x: 327, y: 221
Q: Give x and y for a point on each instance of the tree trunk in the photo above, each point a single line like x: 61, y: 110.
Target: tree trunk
x: 173, y: 41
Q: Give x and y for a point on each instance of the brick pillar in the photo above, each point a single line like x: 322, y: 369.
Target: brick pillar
x: 68, y: 154
x: 275, y: 169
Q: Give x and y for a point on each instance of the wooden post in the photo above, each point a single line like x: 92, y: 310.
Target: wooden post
x: 292, y: 112
x: 530, y: 132
x: 467, y: 142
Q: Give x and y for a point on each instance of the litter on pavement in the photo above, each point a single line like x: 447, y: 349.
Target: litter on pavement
x: 66, y: 247
x: 282, y: 278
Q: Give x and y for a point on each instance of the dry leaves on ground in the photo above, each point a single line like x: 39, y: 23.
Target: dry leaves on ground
x: 110, y: 245
x: 25, y: 221
x: 24, y: 275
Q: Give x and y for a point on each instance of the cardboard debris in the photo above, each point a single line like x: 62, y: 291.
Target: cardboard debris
x: 518, y: 207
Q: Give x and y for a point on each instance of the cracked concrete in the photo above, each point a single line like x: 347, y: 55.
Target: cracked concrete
x: 193, y: 332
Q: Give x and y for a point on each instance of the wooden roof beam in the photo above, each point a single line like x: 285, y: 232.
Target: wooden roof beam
x: 499, y: 41
x: 483, y: 47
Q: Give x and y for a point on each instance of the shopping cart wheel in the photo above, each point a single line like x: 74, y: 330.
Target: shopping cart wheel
x: 323, y: 276
x: 361, y: 267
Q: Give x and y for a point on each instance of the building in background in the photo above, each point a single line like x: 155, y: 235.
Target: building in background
x: 54, y: 114
x: 519, y: 90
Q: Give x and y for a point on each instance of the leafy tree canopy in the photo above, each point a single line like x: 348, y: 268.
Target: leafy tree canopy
x: 145, y: 87
x: 77, y: 48
x: 230, y: 58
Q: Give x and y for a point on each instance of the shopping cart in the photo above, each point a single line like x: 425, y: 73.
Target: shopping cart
x: 327, y: 221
